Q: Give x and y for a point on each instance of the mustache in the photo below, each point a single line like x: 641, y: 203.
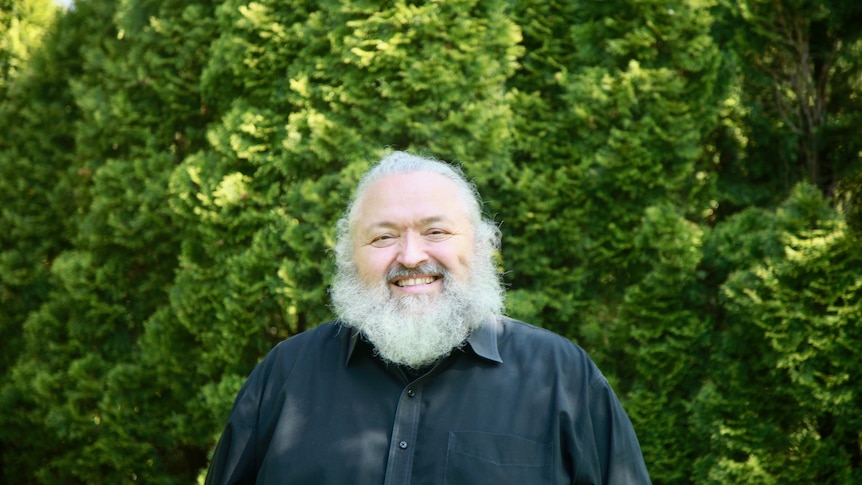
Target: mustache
x: 430, y: 268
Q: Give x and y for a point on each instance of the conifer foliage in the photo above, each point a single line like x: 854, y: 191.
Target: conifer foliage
x: 171, y: 171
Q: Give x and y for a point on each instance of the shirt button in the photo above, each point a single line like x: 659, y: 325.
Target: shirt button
x: 402, y: 445
x: 411, y: 392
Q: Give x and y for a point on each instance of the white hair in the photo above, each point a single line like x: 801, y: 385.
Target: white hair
x: 486, y: 231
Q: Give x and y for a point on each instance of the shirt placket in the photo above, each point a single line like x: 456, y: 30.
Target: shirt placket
x: 402, y: 447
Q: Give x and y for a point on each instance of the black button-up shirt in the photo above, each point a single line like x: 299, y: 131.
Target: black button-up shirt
x: 516, y: 405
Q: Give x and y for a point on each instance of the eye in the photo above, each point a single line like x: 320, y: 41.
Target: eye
x: 437, y: 234
x: 383, y: 240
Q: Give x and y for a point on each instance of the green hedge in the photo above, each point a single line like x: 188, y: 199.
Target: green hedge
x: 170, y: 173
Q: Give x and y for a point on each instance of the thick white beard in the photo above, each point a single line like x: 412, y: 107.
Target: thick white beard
x: 417, y: 330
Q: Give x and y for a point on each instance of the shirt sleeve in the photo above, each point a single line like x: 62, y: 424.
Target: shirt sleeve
x: 619, y: 454
x: 234, y: 460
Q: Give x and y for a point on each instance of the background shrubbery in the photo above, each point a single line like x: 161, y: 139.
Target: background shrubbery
x: 678, y: 183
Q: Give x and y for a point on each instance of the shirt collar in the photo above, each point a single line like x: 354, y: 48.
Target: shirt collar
x: 483, y: 341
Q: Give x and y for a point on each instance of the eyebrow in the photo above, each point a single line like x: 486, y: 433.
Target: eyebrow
x: 391, y: 225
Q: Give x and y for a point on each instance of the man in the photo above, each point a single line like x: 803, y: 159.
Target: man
x: 421, y: 380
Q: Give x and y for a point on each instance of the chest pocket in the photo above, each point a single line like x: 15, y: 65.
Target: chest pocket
x: 475, y: 457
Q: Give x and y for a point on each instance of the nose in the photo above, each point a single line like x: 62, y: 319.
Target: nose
x: 412, y: 252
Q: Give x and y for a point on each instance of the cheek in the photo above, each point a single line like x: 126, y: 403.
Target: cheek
x: 463, y: 255
x: 372, y: 263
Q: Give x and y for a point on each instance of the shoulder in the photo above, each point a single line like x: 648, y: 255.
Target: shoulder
x: 327, y: 340
x: 524, y: 342
x: 323, y: 334
x: 518, y: 333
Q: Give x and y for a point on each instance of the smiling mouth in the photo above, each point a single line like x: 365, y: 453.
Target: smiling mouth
x: 425, y: 280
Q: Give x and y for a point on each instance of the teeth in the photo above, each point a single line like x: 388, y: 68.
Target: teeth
x: 416, y: 281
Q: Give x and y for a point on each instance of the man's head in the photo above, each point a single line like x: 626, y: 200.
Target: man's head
x: 414, y: 257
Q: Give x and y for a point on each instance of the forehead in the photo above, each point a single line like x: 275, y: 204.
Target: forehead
x: 410, y: 198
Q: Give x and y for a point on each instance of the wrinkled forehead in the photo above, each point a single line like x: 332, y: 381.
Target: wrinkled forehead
x: 418, y: 195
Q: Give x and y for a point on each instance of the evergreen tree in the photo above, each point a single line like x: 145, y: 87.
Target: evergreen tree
x: 797, y: 113
x: 170, y: 173
x: 135, y: 93
x: 615, y: 107
x: 22, y: 25
x: 781, y: 406
x: 311, y: 97
x: 37, y: 115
